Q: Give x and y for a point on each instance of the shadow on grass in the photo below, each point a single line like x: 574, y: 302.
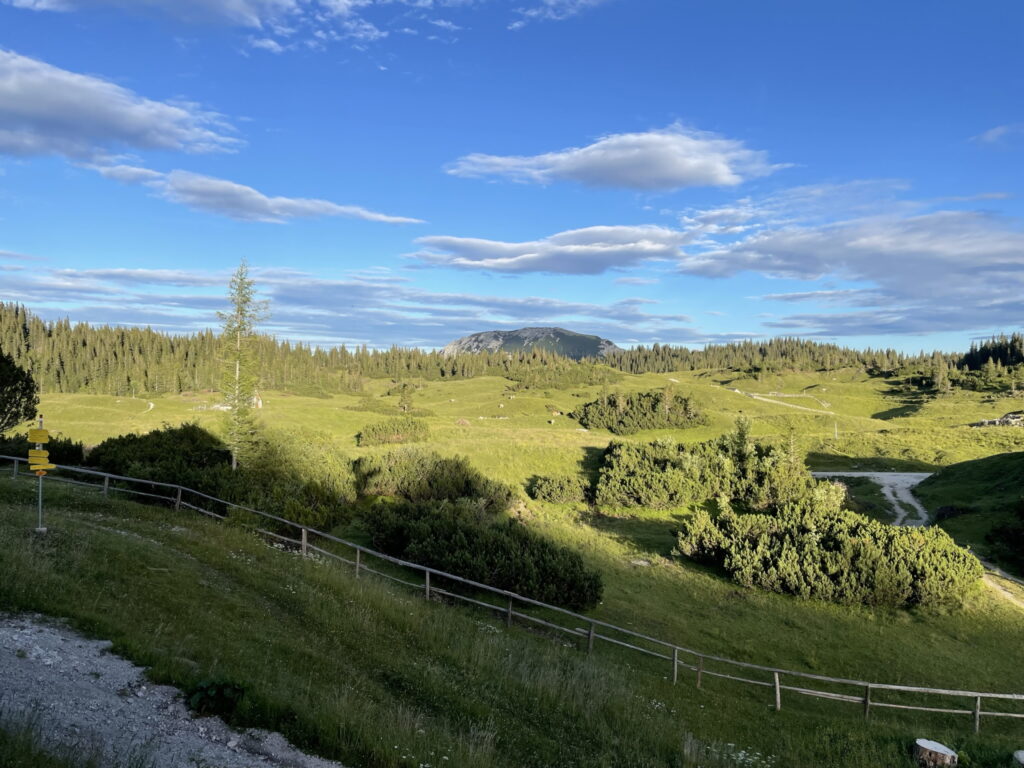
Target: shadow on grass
x: 830, y: 462
x: 655, y: 536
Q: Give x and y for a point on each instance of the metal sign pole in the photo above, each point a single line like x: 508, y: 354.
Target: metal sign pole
x: 39, y: 446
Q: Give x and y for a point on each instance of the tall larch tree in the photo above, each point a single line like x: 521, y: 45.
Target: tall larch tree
x: 240, y: 365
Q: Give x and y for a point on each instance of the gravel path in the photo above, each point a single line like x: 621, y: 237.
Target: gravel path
x: 83, y: 694
x: 764, y: 399
x: 896, y: 487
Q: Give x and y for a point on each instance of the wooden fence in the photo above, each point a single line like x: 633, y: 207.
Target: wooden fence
x: 512, y: 607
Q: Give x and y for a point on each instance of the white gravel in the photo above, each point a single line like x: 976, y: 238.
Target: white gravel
x: 83, y: 694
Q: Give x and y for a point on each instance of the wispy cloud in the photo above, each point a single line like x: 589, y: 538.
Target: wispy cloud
x: 587, y: 251
x: 317, y: 22
x: 238, y: 201
x: 553, y: 10
x: 998, y: 134
x: 945, y: 269
x: 664, y: 159
x: 367, y: 308
x: 45, y: 110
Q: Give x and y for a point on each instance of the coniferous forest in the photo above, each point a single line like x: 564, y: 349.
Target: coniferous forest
x: 82, y: 358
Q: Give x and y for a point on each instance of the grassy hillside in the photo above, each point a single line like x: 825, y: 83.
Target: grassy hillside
x: 375, y: 676
x: 986, y: 492
x: 508, y: 435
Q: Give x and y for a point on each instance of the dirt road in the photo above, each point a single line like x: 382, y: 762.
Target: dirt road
x: 897, y: 489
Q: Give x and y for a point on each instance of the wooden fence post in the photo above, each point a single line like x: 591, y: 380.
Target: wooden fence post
x: 305, y: 542
x: 778, y: 692
x: 867, y: 702
x: 427, y: 592
x: 590, y: 638
x: 177, y: 499
x: 106, y: 486
x: 700, y: 670
x: 359, y: 553
x: 508, y: 616
x: 15, y: 473
x: 675, y: 666
x: 977, y: 714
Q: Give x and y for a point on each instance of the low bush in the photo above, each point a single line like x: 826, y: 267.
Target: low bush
x: 304, y: 479
x: 458, y: 537
x: 401, y: 430
x: 813, y: 548
x: 625, y: 414
x: 565, y: 489
x: 412, y: 474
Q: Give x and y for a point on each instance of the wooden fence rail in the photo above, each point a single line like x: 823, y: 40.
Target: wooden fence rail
x: 586, y: 630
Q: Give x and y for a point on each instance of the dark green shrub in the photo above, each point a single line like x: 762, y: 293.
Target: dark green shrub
x: 813, y: 548
x: 458, y: 538
x: 413, y: 474
x: 215, y: 698
x: 301, y: 478
x: 185, y: 455
x: 625, y: 414
x: 401, y: 430
x: 565, y: 489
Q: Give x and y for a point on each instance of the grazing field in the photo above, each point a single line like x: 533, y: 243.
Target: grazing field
x: 515, y: 436
x: 376, y: 676
x: 507, y: 433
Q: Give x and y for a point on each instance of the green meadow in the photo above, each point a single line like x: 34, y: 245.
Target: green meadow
x: 452, y: 660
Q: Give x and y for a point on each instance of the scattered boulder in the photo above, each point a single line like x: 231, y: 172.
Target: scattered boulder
x: 1012, y: 419
x: 931, y: 754
x: 1018, y: 757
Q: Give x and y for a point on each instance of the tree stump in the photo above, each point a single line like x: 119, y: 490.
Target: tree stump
x: 931, y: 754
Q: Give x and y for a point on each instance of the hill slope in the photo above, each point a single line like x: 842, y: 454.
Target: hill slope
x: 984, y: 495
x: 376, y: 676
x: 559, y: 340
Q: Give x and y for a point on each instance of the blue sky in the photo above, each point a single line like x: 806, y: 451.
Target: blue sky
x: 410, y: 171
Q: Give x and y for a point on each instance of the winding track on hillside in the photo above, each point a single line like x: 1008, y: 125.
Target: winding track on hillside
x: 764, y: 399
x: 897, y: 489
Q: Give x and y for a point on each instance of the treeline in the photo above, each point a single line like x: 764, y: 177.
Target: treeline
x: 82, y: 358
x: 628, y: 413
x: 90, y: 359
x: 772, y: 356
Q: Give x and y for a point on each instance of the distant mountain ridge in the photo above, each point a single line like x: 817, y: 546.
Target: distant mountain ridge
x: 558, y: 340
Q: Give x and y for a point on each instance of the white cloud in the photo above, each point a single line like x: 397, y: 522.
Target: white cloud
x: 250, y: 13
x: 445, y: 25
x: 915, y: 269
x: 127, y: 174
x: 554, y: 10
x: 367, y: 308
x: 238, y: 201
x: 664, y: 159
x: 637, y: 280
x: 997, y: 134
x: 266, y: 44
x: 45, y: 110
x: 587, y: 251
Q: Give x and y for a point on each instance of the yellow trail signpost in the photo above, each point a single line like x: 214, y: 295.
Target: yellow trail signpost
x: 39, y: 462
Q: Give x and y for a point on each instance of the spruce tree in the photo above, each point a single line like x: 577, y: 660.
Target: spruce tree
x: 18, y: 394
x: 239, y: 372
